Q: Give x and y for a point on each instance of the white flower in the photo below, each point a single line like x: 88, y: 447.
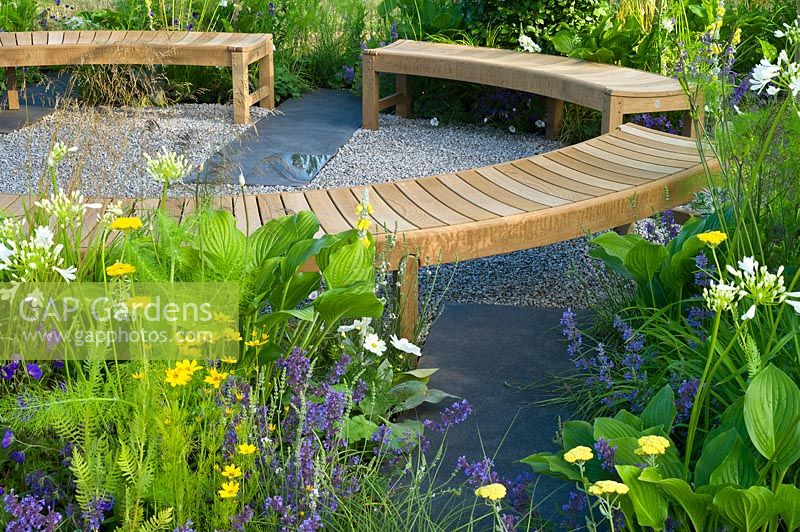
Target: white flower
x: 43, y: 237
x: 750, y: 314
x: 748, y: 265
x: 402, y: 344
x: 223, y: 3
x: 435, y: 122
x: 358, y: 325
x: 540, y: 123
x: 763, y: 73
x: 57, y: 154
x: 795, y: 305
x: 527, y: 44
x: 720, y: 296
x: 167, y: 166
x: 512, y: 129
x: 242, y: 182
x: 772, y: 90
x: 5, y: 255
x: 68, y: 274
x: 668, y: 24
x: 373, y: 344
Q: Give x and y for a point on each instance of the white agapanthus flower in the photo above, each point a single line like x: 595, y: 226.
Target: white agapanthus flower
x: 57, y: 154
x: 167, y: 166
x: 402, y: 344
x: 67, y: 208
x: 357, y: 325
x: 43, y: 237
x: 750, y: 314
x: 375, y: 345
x: 527, y: 44
x: 763, y: 74
x: 720, y: 296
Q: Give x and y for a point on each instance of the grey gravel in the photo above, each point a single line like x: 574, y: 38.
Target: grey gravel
x: 111, y: 145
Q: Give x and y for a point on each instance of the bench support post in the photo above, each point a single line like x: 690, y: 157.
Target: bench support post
x: 13, y: 94
x: 554, y: 118
x: 403, y: 106
x: 370, y: 93
x: 612, y: 115
x: 409, y: 298
x: 266, y: 78
x: 241, y: 89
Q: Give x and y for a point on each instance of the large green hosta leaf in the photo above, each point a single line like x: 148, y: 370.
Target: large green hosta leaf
x: 220, y: 244
x: 353, y: 302
x: 749, y: 509
x: 772, y: 416
x: 275, y: 237
x: 649, y: 504
x: 350, y: 264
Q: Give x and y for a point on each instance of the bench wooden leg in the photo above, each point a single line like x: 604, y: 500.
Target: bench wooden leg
x: 403, y: 106
x: 554, y: 118
x: 369, y: 93
x: 612, y: 115
x: 266, y: 78
x: 241, y: 89
x: 13, y: 93
x: 409, y: 299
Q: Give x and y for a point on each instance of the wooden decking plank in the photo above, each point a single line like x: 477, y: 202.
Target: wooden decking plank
x: 384, y: 215
x: 517, y: 188
x: 327, y: 212
x: 560, y: 188
x: 405, y: 207
x: 467, y: 191
x: 463, y: 206
x: 270, y: 206
x: 428, y: 203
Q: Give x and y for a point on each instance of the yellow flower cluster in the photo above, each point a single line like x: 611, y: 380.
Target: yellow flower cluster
x: 712, y: 238
x: 229, y: 490
x: 579, y: 454
x: 124, y: 223
x: 215, y: 378
x: 364, y: 208
x: 247, y: 448
x: 652, y: 446
x: 607, y: 487
x: 182, y: 373
x: 493, y: 492
x: 256, y: 340
x: 119, y: 269
x: 232, y: 335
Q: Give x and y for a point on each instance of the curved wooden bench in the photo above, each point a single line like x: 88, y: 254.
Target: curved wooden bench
x: 233, y: 50
x: 600, y: 184
x: 613, y: 90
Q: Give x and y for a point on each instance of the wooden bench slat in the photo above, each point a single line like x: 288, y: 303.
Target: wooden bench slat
x: 550, y: 183
x: 427, y: 202
x: 582, y: 170
x: 331, y: 220
x: 465, y: 207
x: 489, y: 196
x: 410, y: 211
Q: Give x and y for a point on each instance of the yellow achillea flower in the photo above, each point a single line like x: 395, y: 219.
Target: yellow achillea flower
x: 232, y: 335
x: 229, y: 490
x: 177, y: 377
x: 579, y: 454
x: 493, y: 492
x: 231, y: 472
x: 189, y: 366
x: 215, y: 378
x: 652, y: 446
x: 607, y: 487
x: 712, y: 238
x: 126, y: 223
x: 119, y: 269
x: 247, y: 448
x: 138, y: 375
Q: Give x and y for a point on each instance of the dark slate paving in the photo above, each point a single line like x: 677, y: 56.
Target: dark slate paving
x: 491, y: 355
x: 36, y: 102
x: 291, y: 147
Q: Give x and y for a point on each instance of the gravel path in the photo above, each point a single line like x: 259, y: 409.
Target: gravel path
x: 110, y: 159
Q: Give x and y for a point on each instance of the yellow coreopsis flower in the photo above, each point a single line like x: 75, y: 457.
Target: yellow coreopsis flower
x: 229, y: 490
x: 231, y: 472
x: 138, y: 375
x: 124, y: 223
x: 712, y: 238
x: 215, y: 378
x: 493, y: 492
x: 230, y: 360
x: 119, y: 269
x: 189, y: 366
x: 247, y: 448
x: 579, y: 454
x: 256, y: 340
x: 177, y: 377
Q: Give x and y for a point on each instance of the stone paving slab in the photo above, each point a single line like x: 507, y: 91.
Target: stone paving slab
x: 290, y: 147
x: 36, y: 102
x: 490, y: 355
